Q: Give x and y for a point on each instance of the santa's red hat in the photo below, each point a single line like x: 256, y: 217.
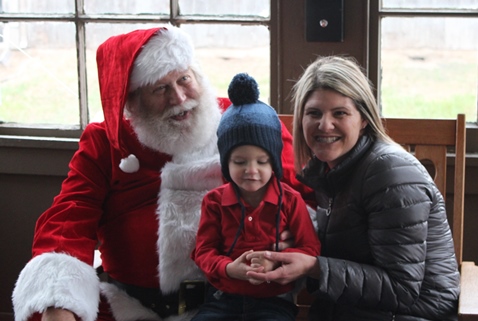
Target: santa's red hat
x: 132, y: 60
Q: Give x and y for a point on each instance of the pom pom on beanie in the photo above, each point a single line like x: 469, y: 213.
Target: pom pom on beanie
x: 243, y: 90
x: 249, y: 121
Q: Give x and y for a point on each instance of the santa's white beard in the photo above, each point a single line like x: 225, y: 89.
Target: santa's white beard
x: 184, y: 138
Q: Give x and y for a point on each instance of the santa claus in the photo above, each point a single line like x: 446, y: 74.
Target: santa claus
x: 158, y: 135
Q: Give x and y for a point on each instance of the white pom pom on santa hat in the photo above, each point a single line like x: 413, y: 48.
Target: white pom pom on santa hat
x: 129, y: 164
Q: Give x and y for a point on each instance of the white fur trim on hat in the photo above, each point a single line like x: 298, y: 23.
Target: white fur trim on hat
x: 168, y: 50
x: 129, y: 164
x: 56, y: 280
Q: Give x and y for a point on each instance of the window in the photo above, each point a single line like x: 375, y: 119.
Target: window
x: 48, y: 73
x: 427, y: 58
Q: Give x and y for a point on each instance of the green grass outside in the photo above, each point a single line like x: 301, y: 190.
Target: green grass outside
x: 429, y: 87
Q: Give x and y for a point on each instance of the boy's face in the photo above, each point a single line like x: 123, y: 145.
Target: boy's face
x: 250, y: 168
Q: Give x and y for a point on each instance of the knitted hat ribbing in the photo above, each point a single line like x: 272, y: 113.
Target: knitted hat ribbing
x: 249, y: 121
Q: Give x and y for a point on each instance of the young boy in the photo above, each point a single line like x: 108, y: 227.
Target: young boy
x: 248, y: 214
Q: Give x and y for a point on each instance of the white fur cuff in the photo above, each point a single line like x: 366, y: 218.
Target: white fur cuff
x: 56, y: 280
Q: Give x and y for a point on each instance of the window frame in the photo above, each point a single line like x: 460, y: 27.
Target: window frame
x: 15, y: 131
x: 24, y: 135
x: 376, y: 13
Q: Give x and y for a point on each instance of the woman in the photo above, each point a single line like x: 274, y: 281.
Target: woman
x: 387, y: 249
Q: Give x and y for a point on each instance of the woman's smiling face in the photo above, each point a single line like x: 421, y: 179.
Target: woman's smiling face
x: 331, y: 124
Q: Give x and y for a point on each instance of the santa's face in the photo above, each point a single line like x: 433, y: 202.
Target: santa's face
x: 171, y: 91
x: 171, y: 116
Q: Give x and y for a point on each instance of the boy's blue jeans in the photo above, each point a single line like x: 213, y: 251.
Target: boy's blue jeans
x: 232, y: 307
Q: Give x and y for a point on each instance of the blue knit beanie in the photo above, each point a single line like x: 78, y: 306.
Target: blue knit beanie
x: 249, y: 121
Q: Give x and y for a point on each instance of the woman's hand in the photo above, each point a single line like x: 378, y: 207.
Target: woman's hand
x: 57, y: 314
x: 286, y: 240
x: 293, y: 265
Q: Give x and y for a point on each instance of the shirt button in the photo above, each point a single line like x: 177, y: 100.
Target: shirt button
x: 249, y: 218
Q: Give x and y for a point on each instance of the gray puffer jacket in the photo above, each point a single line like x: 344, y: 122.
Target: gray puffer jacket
x: 387, y: 248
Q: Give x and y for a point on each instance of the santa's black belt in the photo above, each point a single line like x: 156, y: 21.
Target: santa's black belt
x: 189, y: 297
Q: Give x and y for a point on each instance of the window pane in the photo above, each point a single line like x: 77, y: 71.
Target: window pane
x: 217, y: 7
x: 37, y: 6
x: 225, y: 50
x: 222, y: 51
x: 430, y: 4
x: 127, y: 6
x: 38, y: 73
x: 432, y: 73
x: 96, y: 34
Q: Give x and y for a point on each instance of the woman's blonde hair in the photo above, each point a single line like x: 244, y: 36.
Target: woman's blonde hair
x: 345, y: 76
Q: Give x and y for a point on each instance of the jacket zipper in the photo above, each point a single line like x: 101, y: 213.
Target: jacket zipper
x: 329, y: 208
x: 326, y: 223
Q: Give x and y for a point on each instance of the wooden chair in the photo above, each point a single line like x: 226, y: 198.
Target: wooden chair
x: 430, y: 140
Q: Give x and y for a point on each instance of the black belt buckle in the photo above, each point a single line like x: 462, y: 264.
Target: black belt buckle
x: 191, y: 295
